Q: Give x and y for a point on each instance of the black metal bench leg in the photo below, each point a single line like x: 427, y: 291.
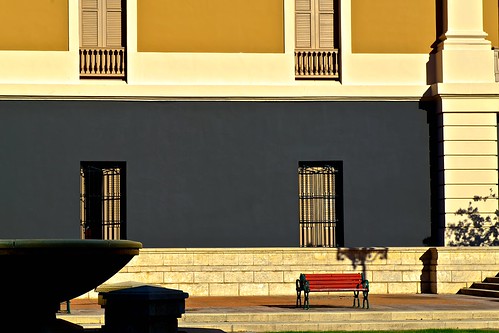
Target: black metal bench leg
x: 306, y: 304
x: 366, y: 299
x: 356, y: 298
x: 298, y: 298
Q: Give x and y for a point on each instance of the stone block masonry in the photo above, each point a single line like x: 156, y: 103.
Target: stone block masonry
x: 273, y: 271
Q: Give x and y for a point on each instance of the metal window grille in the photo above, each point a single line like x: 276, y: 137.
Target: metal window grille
x: 102, y: 201
x: 318, y: 205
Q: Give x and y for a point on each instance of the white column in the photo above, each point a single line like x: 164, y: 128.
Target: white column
x: 466, y: 129
x: 464, y: 55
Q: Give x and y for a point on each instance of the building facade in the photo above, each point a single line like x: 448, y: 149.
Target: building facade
x: 248, y: 123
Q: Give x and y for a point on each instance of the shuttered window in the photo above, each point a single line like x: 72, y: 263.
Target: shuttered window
x: 314, y: 24
x: 101, y: 23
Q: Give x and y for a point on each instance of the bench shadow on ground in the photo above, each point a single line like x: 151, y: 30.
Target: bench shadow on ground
x: 180, y: 330
x: 318, y: 306
x: 199, y: 330
x: 320, y: 302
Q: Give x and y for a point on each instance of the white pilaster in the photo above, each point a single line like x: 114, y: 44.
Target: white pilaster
x: 467, y: 168
x: 466, y: 128
x: 464, y: 55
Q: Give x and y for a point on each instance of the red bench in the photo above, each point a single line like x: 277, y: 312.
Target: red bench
x: 332, y: 282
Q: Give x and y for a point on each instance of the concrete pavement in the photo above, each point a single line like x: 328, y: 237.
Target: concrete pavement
x: 328, y: 312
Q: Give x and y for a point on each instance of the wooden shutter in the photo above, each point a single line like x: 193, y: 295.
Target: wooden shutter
x: 89, y: 23
x: 113, y: 23
x: 101, y: 24
x: 325, y: 24
x: 303, y: 23
x: 314, y: 24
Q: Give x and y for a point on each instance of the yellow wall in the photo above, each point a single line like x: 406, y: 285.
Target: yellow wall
x: 249, y: 26
x: 490, y: 21
x: 393, y: 26
x: 40, y: 25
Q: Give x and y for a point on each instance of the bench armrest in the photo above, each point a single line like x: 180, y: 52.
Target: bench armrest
x: 365, y: 282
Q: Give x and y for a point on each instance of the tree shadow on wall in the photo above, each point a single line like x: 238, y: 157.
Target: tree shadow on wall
x: 362, y: 256
x: 475, y: 229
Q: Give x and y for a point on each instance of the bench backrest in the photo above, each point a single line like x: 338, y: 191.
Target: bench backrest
x: 318, y: 282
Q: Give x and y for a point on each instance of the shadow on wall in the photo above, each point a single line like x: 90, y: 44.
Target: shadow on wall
x: 474, y: 228
x: 362, y: 256
x: 428, y: 277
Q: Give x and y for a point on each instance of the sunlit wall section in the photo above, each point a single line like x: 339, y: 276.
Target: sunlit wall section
x: 248, y: 26
x: 216, y: 42
x: 393, y: 26
x: 40, y: 25
x: 38, y: 41
x: 491, y: 21
x: 387, y: 41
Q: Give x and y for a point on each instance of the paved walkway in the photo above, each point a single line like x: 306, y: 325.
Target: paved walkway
x: 333, y: 312
x: 390, y: 302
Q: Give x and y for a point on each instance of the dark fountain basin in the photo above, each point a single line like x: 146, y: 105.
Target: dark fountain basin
x: 38, y: 274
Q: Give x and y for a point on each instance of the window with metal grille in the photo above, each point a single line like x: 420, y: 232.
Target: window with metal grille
x: 320, y: 204
x: 103, y: 200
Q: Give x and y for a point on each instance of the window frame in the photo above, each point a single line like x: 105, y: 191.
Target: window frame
x: 317, y: 54
x: 314, y: 225
x: 103, y: 201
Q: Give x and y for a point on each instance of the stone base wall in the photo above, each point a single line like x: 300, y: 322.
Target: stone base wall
x: 459, y: 267
x: 273, y: 271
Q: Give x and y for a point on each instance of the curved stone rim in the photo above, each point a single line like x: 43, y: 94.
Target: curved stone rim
x: 68, y: 244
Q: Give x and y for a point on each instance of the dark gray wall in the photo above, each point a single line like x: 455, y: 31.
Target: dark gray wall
x: 216, y: 173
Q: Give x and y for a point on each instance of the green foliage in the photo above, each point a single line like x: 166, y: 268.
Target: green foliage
x: 476, y: 229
